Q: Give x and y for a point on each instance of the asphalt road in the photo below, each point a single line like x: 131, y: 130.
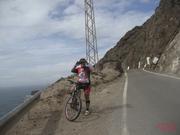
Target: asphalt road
x: 153, y: 105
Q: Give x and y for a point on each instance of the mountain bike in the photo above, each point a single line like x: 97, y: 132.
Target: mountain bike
x: 73, y: 104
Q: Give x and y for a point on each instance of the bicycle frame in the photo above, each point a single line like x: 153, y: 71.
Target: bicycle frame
x: 75, y: 90
x: 74, y: 101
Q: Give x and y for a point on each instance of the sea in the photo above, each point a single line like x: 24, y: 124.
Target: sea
x: 12, y: 97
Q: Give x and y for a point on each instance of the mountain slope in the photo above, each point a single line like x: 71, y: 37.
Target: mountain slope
x: 170, y: 60
x: 148, y: 40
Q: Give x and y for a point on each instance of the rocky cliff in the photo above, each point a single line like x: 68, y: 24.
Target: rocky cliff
x: 170, y: 59
x: 149, y: 40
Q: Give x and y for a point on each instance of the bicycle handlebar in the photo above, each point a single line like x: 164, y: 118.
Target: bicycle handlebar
x: 72, y: 82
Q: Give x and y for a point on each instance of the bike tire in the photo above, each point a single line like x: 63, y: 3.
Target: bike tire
x: 68, y: 108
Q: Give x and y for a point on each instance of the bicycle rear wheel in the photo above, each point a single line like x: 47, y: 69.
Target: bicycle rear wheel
x: 73, y: 108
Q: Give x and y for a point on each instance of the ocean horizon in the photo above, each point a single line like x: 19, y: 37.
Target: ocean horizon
x: 14, y: 96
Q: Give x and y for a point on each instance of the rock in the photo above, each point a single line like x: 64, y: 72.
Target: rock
x: 170, y: 60
x: 34, y: 92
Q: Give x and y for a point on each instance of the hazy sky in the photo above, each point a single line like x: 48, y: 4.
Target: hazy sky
x: 40, y: 40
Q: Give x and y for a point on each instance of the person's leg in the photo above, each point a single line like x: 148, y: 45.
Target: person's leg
x: 87, y: 97
x: 87, y: 101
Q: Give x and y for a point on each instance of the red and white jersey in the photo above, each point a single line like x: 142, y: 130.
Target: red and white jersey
x: 84, y: 73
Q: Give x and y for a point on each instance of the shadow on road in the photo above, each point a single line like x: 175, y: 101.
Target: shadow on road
x: 111, y: 109
x: 52, y: 123
x: 96, y: 113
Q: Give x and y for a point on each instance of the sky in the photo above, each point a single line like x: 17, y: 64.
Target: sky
x: 40, y: 40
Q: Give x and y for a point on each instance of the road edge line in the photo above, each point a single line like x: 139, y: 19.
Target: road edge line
x: 164, y: 75
x: 125, y: 90
x: 124, y: 115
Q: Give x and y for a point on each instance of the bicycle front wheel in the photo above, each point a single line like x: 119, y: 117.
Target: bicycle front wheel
x: 73, y: 108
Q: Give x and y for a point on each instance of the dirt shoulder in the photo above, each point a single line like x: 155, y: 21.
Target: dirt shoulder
x: 46, y: 116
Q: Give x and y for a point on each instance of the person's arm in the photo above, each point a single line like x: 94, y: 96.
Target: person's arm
x: 74, y: 68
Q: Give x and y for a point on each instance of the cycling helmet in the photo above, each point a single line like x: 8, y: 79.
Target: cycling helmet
x: 83, y: 61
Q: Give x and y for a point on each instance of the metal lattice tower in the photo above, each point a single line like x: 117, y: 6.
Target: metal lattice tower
x: 90, y: 31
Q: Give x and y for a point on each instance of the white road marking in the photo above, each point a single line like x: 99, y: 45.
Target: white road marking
x: 164, y: 75
x: 124, y: 114
x: 125, y: 90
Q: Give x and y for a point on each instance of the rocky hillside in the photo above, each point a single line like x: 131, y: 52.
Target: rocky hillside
x: 149, y: 40
x: 170, y: 60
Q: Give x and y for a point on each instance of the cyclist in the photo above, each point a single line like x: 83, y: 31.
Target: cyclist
x: 83, y: 70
